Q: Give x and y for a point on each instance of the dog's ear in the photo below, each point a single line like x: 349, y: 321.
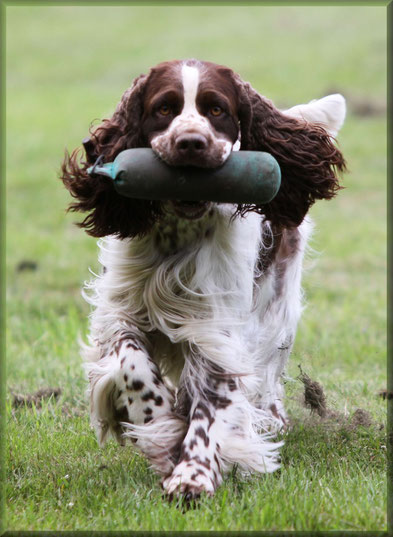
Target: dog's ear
x: 308, y: 158
x: 109, y: 213
x: 123, y: 130
x: 328, y: 112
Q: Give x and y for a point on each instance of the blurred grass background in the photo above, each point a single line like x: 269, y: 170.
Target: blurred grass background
x: 67, y: 66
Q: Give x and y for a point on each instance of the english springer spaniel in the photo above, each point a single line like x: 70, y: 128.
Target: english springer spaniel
x: 196, y: 307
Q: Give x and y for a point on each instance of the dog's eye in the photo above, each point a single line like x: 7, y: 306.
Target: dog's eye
x: 164, y: 110
x: 216, y: 111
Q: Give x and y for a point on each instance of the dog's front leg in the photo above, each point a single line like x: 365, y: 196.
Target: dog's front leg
x: 225, y: 429
x: 129, y: 399
x: 203, y: 455
x: 199, y: 467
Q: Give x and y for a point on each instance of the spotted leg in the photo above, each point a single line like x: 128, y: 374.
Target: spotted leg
x: 225, y: 428
x: 199, y: 467
x: 129, y: 400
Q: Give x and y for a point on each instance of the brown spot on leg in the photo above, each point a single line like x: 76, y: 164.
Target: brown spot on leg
x: 148, y: 395
x: 220, y: 402
x: 121, y: 414
x: 137, y: 385
x: 184, y: 455
x: 231, y: 385
x: 277, y: 415
x: 158, y: 400
x: 200, y: 431
x: 274, y: 411
x: 192, y: 444
x: 206, y: 412
x: 133, y: 345
x: 205, y: 463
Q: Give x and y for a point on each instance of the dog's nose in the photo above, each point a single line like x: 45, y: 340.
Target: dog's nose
x: 191, y: 144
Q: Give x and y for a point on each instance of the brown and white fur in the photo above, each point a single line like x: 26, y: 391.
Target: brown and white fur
x: 196, y: 308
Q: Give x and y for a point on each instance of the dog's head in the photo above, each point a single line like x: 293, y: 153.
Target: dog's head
x: 190, y: 115
x: 195, y: 113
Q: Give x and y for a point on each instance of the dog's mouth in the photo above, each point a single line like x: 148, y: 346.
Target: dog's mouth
x: 190, y: 209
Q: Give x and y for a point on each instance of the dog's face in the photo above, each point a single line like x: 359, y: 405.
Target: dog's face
x: 190, y: 118
x: 190, y: 115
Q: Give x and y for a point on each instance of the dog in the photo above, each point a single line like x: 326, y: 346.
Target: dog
x: 196, y: 308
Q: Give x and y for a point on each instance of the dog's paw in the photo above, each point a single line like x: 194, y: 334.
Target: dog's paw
x: 190, y: 480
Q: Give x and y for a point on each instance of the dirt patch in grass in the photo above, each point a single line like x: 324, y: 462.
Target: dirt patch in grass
x: 314, y: 399
x: 366, y: 107
x: 26, y: 265
x: 360, y: 105
x: 361, y: 418
x: 35, y: 398
x: 385, y: 394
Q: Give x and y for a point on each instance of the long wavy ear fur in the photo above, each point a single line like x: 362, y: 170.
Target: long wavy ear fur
x: 307, y: 156
x: 109, y: 212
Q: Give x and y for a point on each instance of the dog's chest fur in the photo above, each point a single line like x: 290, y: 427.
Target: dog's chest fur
x: 173, y: 234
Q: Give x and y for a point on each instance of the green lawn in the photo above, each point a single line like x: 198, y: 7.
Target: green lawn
x: 69, y: 65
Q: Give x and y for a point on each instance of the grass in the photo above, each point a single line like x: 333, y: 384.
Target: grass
x: 69, y: 65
